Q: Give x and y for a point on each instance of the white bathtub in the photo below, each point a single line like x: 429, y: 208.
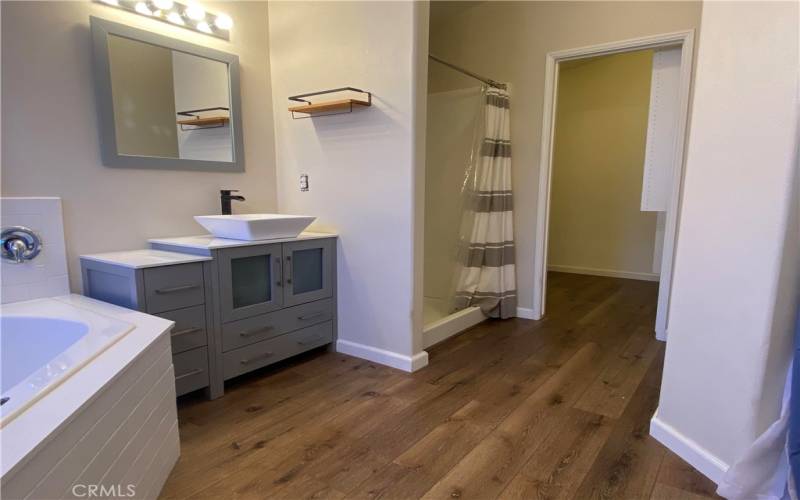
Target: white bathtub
x: 44, y: 341
x: 91, y: 400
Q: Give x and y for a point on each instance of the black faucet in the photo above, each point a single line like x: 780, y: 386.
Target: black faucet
x: 225, y: 198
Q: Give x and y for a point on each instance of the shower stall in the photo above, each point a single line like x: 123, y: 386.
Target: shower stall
x: 457, y: 278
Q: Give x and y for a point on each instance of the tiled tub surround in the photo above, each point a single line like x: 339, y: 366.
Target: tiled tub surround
x: 46, y: 275
x: 238, y: 305
x: 112, y: 422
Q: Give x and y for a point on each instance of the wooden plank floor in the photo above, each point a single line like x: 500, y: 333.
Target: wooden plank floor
x: 558, y: 408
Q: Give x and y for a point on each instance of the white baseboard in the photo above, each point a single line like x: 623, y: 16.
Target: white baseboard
x: 446, y: 327
x: 698, y: 457
x: 526, y: 313
x: 382, y: 356
x: 611, y: 273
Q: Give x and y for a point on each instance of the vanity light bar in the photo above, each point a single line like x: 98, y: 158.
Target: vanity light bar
x: 189, y: 15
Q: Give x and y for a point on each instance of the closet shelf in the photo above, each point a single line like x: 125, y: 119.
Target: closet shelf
x: 332, y: 107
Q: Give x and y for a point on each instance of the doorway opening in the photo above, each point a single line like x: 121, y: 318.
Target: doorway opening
x: 612, y: 156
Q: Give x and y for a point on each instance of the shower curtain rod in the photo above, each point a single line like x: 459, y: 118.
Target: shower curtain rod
x: 487, y: 81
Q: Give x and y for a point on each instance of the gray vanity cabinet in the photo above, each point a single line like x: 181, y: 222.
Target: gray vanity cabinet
x: 179, y: 292
x: 276, y: 301
x: 236, y: 307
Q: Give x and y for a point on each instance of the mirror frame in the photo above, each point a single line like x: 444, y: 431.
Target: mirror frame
x: 101, y: 29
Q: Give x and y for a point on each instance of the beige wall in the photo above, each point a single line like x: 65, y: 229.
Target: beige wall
x: 143, y: 93
x: 47, y: 93
x: 508, y: 41
x: 736, y: 280
x: 361, y: 165
x: 600, y: 131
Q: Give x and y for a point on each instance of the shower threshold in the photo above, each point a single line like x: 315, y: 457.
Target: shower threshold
x: 445, y: 327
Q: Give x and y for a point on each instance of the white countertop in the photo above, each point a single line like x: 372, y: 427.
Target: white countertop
x: 140, y: 259
x: 209, y: 242
x: 32, y: 429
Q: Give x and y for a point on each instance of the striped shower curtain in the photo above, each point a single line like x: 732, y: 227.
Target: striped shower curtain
x: 486, y: 277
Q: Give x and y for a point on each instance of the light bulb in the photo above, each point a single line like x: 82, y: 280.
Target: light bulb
x: 174, y: 18
x: 223, y: 22
x: 163, y: 4
x: 195, y: 12
x: 204, y: 27
x: 142, y: 8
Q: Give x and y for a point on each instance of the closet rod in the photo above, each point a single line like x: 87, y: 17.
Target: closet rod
x: 487, y: 81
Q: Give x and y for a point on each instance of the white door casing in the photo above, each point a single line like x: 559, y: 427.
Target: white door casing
x: 682, y: 39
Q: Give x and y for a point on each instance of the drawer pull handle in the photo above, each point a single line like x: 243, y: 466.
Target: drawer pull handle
x: 189, y: 373
x: 185, y: 331
x: 256, y: 358
x: 309, y: 341
x: 176, y: 289
x: 311, y: 316
x: 289, y: 269
x: 255, y: 332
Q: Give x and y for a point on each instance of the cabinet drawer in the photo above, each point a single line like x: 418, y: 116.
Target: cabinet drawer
x: 191, y: 370
x: 251, y: 330
x: 189, y: 330
x: 308, y: 314
x: 266, y: 352
x: 173, y: 287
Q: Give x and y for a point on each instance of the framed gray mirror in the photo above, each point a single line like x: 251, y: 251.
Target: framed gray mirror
x: 164, y: 103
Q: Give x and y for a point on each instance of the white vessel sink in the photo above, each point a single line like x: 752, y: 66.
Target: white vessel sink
x: 252, y: 227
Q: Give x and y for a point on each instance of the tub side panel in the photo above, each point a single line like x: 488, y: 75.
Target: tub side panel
x: 117, y: 420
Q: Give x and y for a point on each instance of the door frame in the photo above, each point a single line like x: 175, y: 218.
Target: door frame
x: 683, y: 39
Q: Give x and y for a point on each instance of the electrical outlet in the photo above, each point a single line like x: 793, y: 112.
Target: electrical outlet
x: 303, y: 182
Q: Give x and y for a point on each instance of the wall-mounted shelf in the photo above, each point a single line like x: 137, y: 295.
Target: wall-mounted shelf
x: 321, y: 107
x: 196, y: 121
x: 207, y: 122
x: 326, y: 108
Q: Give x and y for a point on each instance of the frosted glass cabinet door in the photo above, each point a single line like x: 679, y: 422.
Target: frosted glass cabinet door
x: 250, y: 281
x: 307, y: 268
